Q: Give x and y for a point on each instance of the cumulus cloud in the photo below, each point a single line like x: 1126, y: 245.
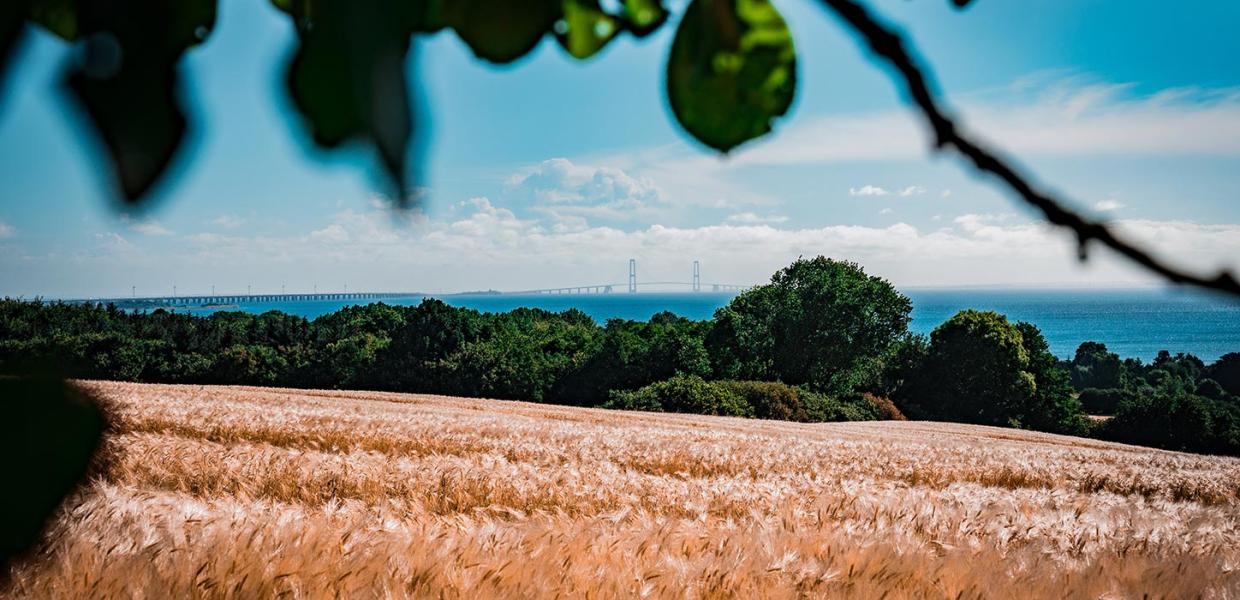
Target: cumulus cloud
x: 6, y: 230
x: 868, y: 190
x: 561, y: 187
x: 1108, y: 205
x: 749, y: 218
x: 885, y: 211
x: 912, y: 190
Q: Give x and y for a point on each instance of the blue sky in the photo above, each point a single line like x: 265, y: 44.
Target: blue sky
x: 554, y: 171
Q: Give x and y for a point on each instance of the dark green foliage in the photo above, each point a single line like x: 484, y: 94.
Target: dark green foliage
x: 1173, y: 419
x: 974, y: 372
x: 758, y: 399
x: 982, y: 369
x: 349, y: 85
x: 822, y: 408
x: 977, y: 367
x: 1180, y: 368
x: 49, y: 432
x: 1095, y: 367
x: 901, y: 364
x: 820, y: 322
x: 732, y: 71
x: 631, y: 354
x: 1104, y: 402
x: 682, y: 394
x: 769, y: 400
x: 1226, y: 371
x: 1053, y: 405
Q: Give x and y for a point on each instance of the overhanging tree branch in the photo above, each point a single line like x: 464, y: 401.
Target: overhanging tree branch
x: 888, y: 45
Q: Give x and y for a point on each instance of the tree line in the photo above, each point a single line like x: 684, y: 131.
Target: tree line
x: 823, y: 341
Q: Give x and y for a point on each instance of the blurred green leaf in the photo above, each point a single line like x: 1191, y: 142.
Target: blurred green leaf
x: 347, y: 78
x: 641, y: 17
x: 127, y: 79
x: 585, y: 28
x: 731, y: 72
x: 56, y: 16
x: 502, y: 31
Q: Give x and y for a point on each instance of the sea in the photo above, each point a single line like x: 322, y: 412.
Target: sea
x: 1135, y: 323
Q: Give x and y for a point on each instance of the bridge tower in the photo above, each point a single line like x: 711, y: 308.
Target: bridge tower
x: 697, y: 276
x: 632, y: 275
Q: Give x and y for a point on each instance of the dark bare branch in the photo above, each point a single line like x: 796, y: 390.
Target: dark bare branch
x: 889, y: 45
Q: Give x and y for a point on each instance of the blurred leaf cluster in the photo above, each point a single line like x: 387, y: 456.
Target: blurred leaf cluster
x: 731, y: 71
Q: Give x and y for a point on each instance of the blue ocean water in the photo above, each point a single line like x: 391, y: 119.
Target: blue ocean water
x: 1134, y: 323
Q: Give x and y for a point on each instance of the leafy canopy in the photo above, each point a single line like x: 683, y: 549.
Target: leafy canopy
x: 820, y: 322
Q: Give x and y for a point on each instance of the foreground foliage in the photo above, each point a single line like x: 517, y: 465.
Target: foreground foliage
x: 264, y: 493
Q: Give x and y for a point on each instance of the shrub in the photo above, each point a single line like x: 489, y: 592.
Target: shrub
x: 886, y: 409
x: 768, y: 400
x: 761, y: 399
x: 823, y: 408
x: 682, y: 394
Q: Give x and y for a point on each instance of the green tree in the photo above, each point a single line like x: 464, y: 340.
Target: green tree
x: 1094, y: 366
x: 1226, y: 371
x: 820, y: 322
x: 976, y: 371
x: 1053, y: 406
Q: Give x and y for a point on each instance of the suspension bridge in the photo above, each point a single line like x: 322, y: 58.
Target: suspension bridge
x: 134, y: 301
x: 632, y: 286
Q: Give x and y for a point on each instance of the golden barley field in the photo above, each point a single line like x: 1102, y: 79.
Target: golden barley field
x: 228, y: 492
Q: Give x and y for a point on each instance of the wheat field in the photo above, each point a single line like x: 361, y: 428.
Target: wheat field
x: 229, y: 492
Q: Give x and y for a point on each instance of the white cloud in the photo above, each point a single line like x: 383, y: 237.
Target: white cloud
x: 1108, y: 205
x: 145, y: 227
x: 563, y: 188
x: 228, y: 221
x: 748, y: 218
x: 1065, y: 117
x: 6, y: 231
x: 334, y: 233
x: 976, y: 222
x: 867, y: 190
x: 912, y: 190
x: 945, y: 194
x: 109, y: 244
x: 483, y: 245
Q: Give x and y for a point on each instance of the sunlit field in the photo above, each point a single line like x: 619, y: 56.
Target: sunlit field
x: 225, y: 492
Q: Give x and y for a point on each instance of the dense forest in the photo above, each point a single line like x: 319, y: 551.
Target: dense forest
x: 823, y: 341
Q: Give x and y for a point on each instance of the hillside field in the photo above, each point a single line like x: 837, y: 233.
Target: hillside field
x: 229, y: 492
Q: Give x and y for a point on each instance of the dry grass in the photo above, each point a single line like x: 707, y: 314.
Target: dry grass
x: 243, y: 492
